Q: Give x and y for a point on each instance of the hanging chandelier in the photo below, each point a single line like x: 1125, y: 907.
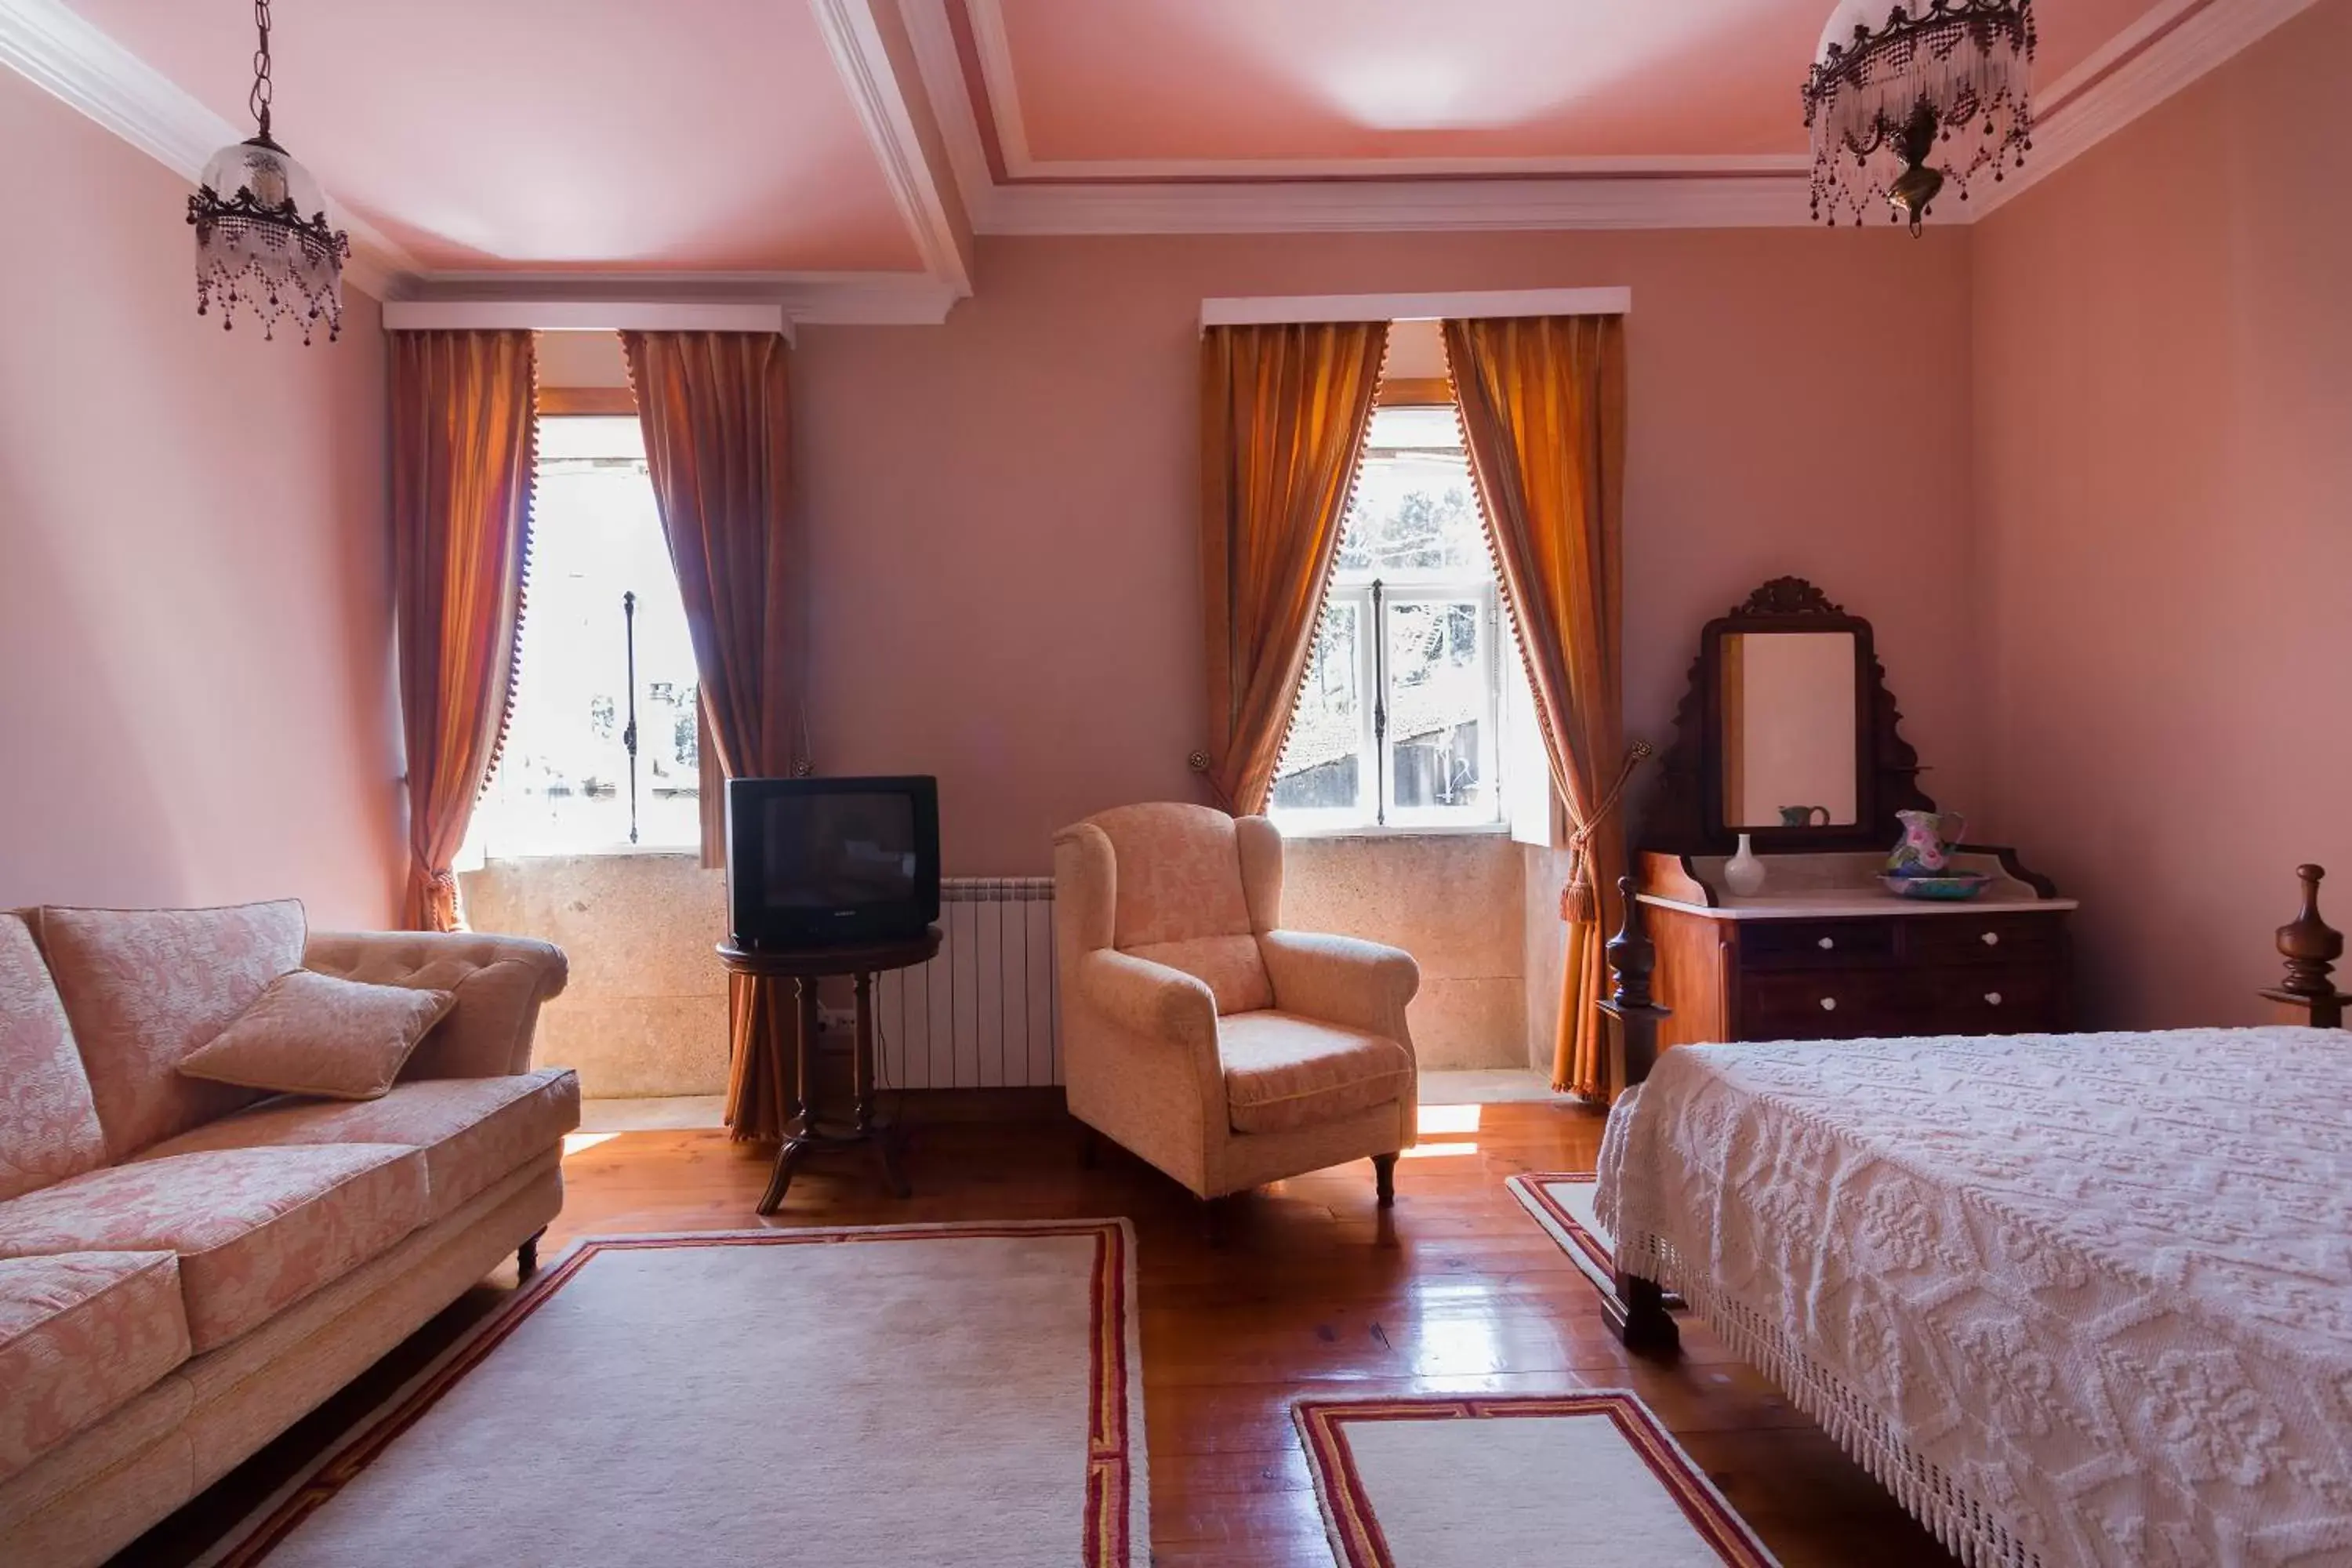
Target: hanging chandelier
x: 254, y: 246
x: 1938, y: 79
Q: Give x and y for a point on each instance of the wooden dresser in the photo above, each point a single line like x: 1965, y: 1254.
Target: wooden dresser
x: 1824, y: 952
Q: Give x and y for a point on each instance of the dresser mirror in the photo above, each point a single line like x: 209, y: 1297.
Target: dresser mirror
x: 1788, y: 734
x: 1789, y: 701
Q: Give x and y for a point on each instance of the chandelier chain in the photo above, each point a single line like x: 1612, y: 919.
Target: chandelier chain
x: 259, y: 101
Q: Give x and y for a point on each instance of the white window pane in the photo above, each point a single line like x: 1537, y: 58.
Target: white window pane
x: 1414, y: 515
x: 1439, y: 705
x: 1322, y: 766
x: 563, y: 781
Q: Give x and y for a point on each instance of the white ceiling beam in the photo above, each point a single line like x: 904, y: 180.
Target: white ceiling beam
x: 862, y: 59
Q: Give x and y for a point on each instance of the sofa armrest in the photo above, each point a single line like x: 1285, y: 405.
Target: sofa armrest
x: 1149, y: 999
x: 500, y: 982
x: 1342, y: 980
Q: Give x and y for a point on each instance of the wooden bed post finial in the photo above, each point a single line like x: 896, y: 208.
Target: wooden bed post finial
x: 2311, y: 947
x: 1635, y: 1308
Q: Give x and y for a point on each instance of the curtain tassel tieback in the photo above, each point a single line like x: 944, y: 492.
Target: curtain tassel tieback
x: 1579, y: 903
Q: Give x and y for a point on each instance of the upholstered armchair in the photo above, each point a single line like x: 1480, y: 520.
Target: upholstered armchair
x: 1198, y: 1034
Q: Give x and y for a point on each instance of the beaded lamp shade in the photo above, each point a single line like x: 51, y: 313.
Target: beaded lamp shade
x: 255, y: 248
x: 1935, y: 93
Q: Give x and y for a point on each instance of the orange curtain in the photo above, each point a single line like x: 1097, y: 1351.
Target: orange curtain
x: 463, y: 441
x: 1284, y: 411
x: 1543, y: 415
x: 716, y: 411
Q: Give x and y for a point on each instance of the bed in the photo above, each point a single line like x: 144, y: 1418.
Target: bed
x: 2074, y: 1299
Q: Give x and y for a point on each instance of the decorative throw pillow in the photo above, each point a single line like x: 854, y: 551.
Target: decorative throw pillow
x: 314, y: 1033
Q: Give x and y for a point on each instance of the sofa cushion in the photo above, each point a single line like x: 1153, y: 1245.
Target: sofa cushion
x: 1284, y: 1072
x: 82, y: 1333
x: 255, y: 1230
x: 473, y: 1131
x: 318, y: 1035
x: 145, y: 987
x: 48, y: 1122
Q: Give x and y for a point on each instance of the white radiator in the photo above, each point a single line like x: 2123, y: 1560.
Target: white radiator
x: 981, y: 1015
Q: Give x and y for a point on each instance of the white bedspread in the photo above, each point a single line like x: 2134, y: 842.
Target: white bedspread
x: 2083, y: 1298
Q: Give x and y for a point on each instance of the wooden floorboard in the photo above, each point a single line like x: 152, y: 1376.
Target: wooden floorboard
x: 1314, y: 1291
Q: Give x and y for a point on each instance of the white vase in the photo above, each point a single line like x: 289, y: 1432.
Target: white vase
x: 1744, y: 873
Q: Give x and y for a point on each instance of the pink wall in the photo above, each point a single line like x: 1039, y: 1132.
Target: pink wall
x: 2164, y: 421
x: 195, y: 636
x: 1004, y: 509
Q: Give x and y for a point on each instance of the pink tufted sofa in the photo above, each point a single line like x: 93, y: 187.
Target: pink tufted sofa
x: 187, y: 1267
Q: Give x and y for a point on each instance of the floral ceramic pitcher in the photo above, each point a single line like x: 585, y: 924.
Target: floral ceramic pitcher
x: 1928, y: 839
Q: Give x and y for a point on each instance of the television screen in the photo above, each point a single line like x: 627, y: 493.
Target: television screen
x: 818, y: 861
x: 832, y: 851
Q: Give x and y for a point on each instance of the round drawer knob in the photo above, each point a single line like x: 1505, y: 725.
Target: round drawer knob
x: 1826, y: 943
x: 1828, y: 1004
x: 1990, y: 939
x: 1992, y: 998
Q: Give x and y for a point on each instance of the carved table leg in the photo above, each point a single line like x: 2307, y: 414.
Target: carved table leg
x: 1385, y: 1179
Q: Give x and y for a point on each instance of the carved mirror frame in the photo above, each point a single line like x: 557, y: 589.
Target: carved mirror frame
x: 1688, y: 815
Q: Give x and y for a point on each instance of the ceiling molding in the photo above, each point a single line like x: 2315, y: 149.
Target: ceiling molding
x: 829, y: 299
x: 580, y: 316
x: 1317, y: 206
x: 51, y: 46
x: 941, y: 66
x: 2173, y: 46
x: 1250, y: 310
x: 863, y: 61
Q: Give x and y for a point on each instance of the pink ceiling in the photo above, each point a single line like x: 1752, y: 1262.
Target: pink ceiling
x: 1306, y: 81
x: 556, y: 134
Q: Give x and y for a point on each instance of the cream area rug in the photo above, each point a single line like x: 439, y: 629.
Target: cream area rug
x: 947, y: 1394
x: 1583, y: 1481
x: 1561, y: 1202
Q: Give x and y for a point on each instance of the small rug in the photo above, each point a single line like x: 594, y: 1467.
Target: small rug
x: 966, y: 1394
x: 1584, y: 1480
x: 1561, y: 1202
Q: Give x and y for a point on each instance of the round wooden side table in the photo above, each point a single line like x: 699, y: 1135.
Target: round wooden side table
x: 806, y: 1128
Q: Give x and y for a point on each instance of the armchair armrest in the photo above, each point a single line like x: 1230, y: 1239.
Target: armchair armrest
x: 1149, y: 999
x: 1342, y: 980
x: 500, y: 982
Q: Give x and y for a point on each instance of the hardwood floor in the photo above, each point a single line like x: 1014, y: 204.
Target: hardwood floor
x: 1314, y: 1290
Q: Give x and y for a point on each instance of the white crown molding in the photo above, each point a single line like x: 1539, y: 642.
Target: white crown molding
x: 941, y: 69
x: 1252, y: 311
x: 827, y: 299
x: 2201, y: 36
x: 55, y: 49
x: 580, y: 316
x: 863, y: 61
x: 1322, y: 207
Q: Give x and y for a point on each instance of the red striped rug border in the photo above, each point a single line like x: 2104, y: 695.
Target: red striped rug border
x: 1355, y: 1529
x: 1531, y: 1192
x: 1111, y: 1461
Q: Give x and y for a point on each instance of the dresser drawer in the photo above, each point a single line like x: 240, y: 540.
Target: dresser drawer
x: 1939, y: 940
x: 1815, y: 944
x: 1822, y: 1005
x: 2014, y: 999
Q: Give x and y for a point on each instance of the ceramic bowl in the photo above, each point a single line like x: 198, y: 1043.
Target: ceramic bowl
x: 1962, y: 885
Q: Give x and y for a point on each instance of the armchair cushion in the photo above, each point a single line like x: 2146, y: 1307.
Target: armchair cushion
x: 1284, y: 1072
x: 1228, y: 965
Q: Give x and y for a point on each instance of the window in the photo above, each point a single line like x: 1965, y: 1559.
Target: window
x: 1398, y: 716
x: 563, y: 781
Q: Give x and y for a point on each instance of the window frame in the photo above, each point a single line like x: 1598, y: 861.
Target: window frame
x: 1375, y: 814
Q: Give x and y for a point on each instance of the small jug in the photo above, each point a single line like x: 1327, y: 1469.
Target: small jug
x: 1804, y: 816
x: 1925, y: 850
